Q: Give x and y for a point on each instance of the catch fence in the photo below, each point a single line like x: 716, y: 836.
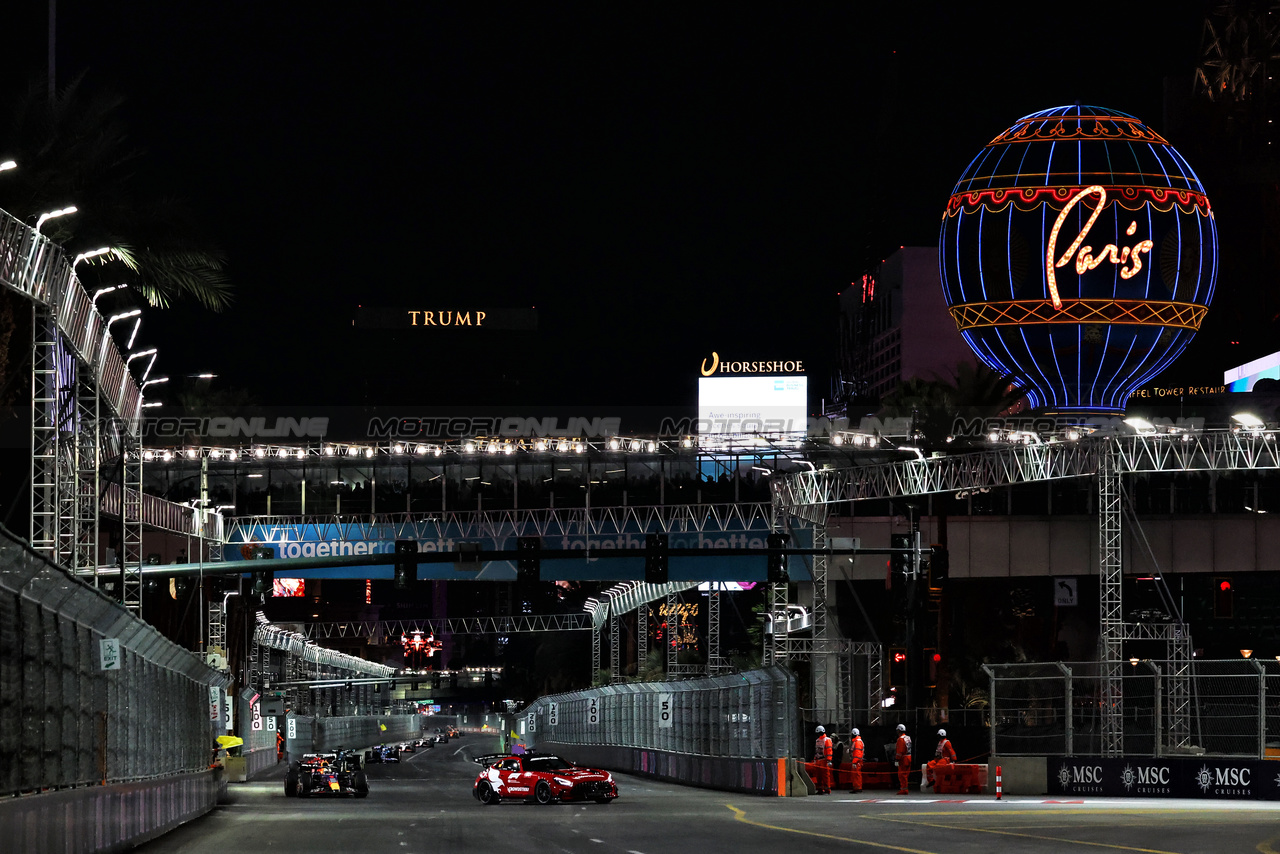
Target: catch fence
x: 1225, y: 708
x: 742, y: 715
x: 72, y: 711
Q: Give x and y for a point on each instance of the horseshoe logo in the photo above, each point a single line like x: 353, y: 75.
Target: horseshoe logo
x: 715, y: 363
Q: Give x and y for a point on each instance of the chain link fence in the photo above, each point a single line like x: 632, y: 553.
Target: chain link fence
x: 76, y: 711
x: 1225, y: 708
x: 743, y: 715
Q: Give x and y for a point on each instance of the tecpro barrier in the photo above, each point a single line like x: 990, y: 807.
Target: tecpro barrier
x: 1146, y: 777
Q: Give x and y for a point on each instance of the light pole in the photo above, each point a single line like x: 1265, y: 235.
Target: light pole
x: 45, y: 217
x: 138, y: 355
x: 143, y: 388
x: 104, y: 291
x: 94, y: 253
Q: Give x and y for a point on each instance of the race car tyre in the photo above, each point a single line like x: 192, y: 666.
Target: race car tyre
x: 291, y: 784
x: 488, y: 796
x: 604, y: 800
x: 361, y: 785
x: 304, y: 787
x: 542, y: 792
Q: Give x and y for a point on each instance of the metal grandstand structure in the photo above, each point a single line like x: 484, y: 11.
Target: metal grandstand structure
x: 79, y: 381
x: 810, y: 497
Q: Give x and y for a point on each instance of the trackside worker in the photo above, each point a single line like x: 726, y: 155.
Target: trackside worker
x: 822, y: 751
x: 944, y: 755
x: 902, y: 758
x: 856, y: 752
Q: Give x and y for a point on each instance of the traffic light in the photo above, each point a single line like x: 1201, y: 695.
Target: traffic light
x: 777, y: 571
x: 1223, y: 599
x: 898, y: 667
x: 939, y: 566
x: 655, y: 558
x: 529, y: 565
x: 406, y: 570
x: 900, y: 562
x: 263, y: 579
x: 931, y: 661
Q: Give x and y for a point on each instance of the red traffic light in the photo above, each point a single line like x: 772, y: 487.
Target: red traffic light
x: 899, y: 656
x: 1224, y: 585
x: 937, y: 656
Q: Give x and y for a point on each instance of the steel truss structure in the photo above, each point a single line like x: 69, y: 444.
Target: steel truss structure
x: 441, y: 625
x: 79, y: 378
x: 547, y: 522
x: 810, y: 496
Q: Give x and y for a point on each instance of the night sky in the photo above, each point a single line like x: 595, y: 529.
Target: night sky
x: 660, y: 181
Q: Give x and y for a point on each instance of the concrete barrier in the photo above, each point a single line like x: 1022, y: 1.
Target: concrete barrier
x: 106, y: 819
x: 1021, y: 775
x: 757, y: 776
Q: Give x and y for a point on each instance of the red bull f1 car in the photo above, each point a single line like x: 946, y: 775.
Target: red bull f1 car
x: 334, y: 774
x: 540, y: 778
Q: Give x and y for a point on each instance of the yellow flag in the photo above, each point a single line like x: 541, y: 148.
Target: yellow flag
x: 513, y: 734
x: 382, y: 727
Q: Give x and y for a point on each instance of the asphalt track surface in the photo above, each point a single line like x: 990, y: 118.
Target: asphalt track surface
x: 424, y: 805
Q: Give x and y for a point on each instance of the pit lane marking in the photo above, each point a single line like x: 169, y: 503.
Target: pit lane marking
x: 741, y: 815
x: 1023, y: 835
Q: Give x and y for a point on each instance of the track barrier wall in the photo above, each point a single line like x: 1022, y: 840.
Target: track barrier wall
x: 131, y: 743
x: 724, y: 732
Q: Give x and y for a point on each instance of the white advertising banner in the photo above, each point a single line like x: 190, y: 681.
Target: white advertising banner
x: 664, y: 711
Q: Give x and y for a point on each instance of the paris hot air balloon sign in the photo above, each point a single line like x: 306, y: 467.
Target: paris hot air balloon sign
x: 1078, y: 255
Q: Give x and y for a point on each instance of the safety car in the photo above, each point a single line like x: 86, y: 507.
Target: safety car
x: 540, y: 778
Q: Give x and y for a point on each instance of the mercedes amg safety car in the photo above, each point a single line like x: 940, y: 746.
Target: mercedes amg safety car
x: 540, y: 778
x: 335, y: 774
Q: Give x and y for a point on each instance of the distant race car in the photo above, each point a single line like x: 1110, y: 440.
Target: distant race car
x: 408, y: 747
x: 335, y: 774
x: 540, y: 778
x: 382, y: 753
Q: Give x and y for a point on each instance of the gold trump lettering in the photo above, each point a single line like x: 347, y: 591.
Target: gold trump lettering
x: 1086, y: 260
x: 442, y: 317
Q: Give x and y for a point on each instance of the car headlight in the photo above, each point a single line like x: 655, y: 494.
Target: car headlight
x: 564, y: 782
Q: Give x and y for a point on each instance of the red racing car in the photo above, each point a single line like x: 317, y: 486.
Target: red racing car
x: 540, y: 778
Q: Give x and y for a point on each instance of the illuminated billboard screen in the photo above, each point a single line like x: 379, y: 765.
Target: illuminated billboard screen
x: 738, y: 405
x: 288, y: 587
x: 1244, y: 377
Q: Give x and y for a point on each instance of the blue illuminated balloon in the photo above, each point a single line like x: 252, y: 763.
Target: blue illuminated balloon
x: 1078, y: 255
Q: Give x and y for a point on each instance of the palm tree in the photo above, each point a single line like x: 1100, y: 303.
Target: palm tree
x: 74, y: 149
x: 976, y: 391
